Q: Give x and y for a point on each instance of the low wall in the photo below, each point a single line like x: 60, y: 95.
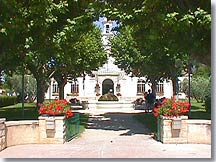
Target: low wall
x: 189, y: 131
x: 2, y: 134
x: 199, y: 131
x: 45, y: 130
x: 22, y: 132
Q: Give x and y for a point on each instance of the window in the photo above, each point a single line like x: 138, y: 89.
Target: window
x: 160, y: 88
x: 55, y: 88
x: 107, y: 28
x: 140, y: 86
x: 74, y: 87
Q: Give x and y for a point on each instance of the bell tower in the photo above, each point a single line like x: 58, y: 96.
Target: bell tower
x: 107, y: 34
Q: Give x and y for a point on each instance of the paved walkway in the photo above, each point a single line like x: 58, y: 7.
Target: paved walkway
x: 110, y: 136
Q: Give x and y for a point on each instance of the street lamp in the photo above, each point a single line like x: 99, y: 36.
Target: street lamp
x: 189, y: 86
x: 23, y: 86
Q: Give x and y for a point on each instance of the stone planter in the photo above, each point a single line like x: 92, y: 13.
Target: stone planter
x: 176, y: 123
x: 52, y: 129
x: 172, y: 130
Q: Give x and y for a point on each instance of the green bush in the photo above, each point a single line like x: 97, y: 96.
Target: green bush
x: 108, y: 97
x: 208, y: 104
x: 200, y: 87
x: 7, y: 100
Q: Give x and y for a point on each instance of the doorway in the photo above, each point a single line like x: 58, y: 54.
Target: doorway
x: 107, y: 86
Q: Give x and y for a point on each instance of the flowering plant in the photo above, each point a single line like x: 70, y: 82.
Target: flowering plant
x: 171, y: 108
x: 56, y: 107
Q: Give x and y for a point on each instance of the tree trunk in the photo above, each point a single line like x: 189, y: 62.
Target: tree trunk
x: 175, y: 85
x: 61, y: 86
x: 62, y: 81
x: 174, y: 80
x: 40, y: 92
x: 42, y: 87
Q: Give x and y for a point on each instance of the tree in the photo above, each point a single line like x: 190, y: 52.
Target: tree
x: 169, y: 22
x: 140, y: 62
x: 30, y: 27
x: 200, y: 88
x: 13, y: 84
x: 35, y: 25
x: 80, y: 57
x: 160, y: 31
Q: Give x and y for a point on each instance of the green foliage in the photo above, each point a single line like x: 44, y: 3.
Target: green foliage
x: 198, y: 111
x: 81, y: 52
x: 43, y: 35
x: 158, y: 33
x: 108, y: 97
x: 15, y: 112
x: 208, y: 104
x: 148, y: 120
x: 123, y: 44
x: 202, y: 70
x: 7, y: 100
x: 185, y: 87
x: 200, y: 88
x: 14, y: 85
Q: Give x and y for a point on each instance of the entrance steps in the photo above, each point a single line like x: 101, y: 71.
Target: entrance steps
x: 101, y: 107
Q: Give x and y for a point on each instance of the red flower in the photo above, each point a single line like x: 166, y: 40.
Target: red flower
x: 156, y: 114
x: 59, y: 107
x: 56, y: 107
x: 69, y: 114
x: 171, y: 108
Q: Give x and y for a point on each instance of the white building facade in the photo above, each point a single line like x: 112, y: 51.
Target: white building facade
x: 109, y: 78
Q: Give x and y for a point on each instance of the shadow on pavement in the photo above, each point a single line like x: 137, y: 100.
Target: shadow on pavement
x: 118, y: 122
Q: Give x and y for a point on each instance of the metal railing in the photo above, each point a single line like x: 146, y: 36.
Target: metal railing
x: 158, y: 129
x: 72, y: 127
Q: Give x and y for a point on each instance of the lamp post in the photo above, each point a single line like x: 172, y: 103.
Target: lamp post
x: 23, y: 77
x: 189, y: 86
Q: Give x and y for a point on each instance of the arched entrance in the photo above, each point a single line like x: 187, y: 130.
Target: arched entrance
x: 107, y: 86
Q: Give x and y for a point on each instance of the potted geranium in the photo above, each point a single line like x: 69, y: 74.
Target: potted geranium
x: 170, y: 114
x: 171, y: 108
x: 56, y: 107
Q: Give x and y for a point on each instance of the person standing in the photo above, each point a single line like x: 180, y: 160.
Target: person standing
x: 150, y: 98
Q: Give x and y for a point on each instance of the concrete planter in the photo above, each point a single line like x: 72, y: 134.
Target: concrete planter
x: 172, y: 129
x: 52, y: 129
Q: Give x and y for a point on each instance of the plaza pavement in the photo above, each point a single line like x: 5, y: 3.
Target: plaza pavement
x: 110, y: 135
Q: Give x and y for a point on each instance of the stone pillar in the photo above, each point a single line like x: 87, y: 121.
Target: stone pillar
x: 2, y: 134
x: 172, y: 133
x: 52, y: 129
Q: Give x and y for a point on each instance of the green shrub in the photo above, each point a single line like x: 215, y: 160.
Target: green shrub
x: 7, y: 100
x: 208, y: 104
x: 200, y: 87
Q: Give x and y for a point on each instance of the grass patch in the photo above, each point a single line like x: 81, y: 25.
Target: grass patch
x: 198, y: 111
x: 148, y: 119
x: 15, y: 112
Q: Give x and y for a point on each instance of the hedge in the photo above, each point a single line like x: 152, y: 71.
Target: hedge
x: 208, y: 104
x: 7, y: 100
